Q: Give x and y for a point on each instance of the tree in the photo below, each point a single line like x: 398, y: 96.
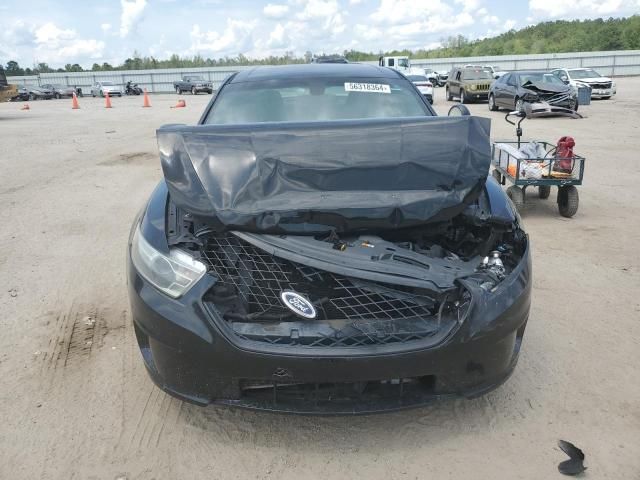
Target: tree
x: 43, y: 68
x: 73, y: 68
x: 96, y: 67
x: 13, y: 68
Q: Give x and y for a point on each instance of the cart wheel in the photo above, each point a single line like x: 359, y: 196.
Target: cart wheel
x: 516, y: 194
x: 497, y: 176
x: 568, y: 201
x: 544, y: 191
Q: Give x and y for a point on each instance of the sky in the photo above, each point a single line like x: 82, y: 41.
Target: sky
x: 72, y: 31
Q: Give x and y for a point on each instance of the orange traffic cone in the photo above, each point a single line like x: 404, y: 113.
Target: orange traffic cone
x: 107, y: 100
x: 146, y: 102
x: 74, y: 102
x: 25, y: 107
x: 180, y: 104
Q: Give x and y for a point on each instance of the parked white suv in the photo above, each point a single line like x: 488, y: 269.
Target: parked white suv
x: 492, y: 69
x: 100, y: 88
x: 601, y: 87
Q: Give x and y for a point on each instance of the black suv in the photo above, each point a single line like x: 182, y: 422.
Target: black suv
x: 322, y: 242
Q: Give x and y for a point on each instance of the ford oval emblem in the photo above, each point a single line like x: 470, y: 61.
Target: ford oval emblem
x: 298, y: 304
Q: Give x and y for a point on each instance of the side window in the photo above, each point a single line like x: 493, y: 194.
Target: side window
x: 511, y: 81
x: 391, y: 62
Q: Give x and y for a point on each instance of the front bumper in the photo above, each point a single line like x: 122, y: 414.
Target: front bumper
x: 470, y: 94
x: 190, y: 354
x: 602, y: 92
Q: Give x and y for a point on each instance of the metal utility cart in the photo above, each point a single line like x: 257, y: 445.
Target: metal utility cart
x: 549, y: 169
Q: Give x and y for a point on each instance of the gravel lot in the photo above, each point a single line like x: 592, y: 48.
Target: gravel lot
x: 76, y: 403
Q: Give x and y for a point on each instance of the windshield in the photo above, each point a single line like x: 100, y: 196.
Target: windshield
x: 315, y: 99
x: 417, y: 78
x: 107, y: 84
x: 196, y: 79
x: 586, y: 73
x: 526, y: 78
x: 403, y: 62
x: 476, y: 75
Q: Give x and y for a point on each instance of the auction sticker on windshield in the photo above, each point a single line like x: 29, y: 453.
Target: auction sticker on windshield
x: 367, y: 87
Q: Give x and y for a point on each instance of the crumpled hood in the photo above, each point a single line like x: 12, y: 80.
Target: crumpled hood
x: 546, y: 87
x: 311, y: 177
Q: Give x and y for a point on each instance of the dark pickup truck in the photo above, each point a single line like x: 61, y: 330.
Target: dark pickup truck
x: 193, y: 84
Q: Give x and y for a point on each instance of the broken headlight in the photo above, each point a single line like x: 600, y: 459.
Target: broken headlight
x: 173, y: 275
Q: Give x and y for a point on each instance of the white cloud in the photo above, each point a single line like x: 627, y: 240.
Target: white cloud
x: 59, y: 45
x: 278, y: 38
x: 51, y: 35
x: 509, y: 25
x: 105, y: 27
x: 490, y: 19
x: 273, y: 10
x: 398, y: 12
x: 318, y: 9
x: 131, y: 14
x: 367, y: 32
x: 235, y: 38
x: 582, y: 8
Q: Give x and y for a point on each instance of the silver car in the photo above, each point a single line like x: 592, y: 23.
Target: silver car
x: 100, y: 88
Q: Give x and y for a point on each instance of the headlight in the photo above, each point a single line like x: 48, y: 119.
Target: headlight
x: 173, y: 275
x: 473, y: 87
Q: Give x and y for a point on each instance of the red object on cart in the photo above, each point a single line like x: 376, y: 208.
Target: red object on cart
x: 564, y: 154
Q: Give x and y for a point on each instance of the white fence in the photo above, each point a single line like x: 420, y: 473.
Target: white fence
x: 618, y: 63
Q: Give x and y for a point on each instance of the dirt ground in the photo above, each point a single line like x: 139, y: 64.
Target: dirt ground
x: 75, y: 400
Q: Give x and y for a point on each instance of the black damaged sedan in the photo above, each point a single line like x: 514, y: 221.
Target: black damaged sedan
x: 323, y: 242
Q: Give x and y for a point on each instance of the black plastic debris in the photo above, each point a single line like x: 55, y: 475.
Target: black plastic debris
x: 575, y: 464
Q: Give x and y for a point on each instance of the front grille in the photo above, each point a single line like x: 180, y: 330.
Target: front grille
x: 555, y: 98
x: 350, y: 312
x: 600, y: 86
x: 483, y: 87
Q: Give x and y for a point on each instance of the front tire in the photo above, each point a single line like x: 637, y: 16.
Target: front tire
x: 178, y: 91
x: 448, y: 94
x: 463, y: 97
x: 519, y: 105
x: 194, y: 91
x: 492, y: 103
x: 58, y: 96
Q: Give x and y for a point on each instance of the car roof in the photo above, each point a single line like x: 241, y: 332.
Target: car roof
x: 520, y: 72
x: 312, y: 70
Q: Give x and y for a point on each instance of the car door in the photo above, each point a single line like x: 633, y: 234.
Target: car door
x: 454, y: 84
x: 497, y: 89
x: 508, y: 94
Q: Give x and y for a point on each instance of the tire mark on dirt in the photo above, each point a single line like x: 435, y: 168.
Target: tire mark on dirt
x: 78, y: 333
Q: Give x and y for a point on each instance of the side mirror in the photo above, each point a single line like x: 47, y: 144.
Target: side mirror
x: 458, y: 110
x: 564, y: 78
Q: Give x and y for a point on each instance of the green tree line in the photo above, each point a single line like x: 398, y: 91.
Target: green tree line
x: 547, y: 37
